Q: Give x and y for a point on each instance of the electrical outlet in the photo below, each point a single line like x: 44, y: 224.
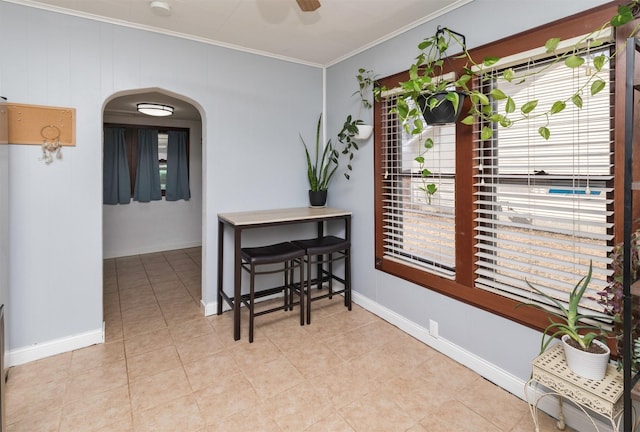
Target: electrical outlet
x: 433, y: 328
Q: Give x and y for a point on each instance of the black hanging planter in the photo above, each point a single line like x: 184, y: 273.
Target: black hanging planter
x: 443, y: 112
x: 318, y: 198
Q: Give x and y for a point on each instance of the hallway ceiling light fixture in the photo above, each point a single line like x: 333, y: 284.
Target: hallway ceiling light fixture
x: 156, y: 110
x: 160, y: 7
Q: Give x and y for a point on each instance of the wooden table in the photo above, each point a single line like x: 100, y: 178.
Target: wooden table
x: 241, y: 221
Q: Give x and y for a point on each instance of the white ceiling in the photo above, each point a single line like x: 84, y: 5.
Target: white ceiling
x: 338, y: 29
x: 276, y: 28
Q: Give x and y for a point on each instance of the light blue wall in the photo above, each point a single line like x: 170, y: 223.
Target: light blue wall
x: 485, y: 336
x: 251, y: 107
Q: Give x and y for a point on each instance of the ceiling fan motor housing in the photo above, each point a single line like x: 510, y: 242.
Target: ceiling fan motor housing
x: 308, y: 5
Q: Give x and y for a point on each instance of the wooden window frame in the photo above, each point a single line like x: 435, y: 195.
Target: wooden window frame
x: 462, y: 287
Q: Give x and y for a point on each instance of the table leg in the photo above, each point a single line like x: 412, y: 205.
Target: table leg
x: 561, y: 424
x: 237, y: 279
x: 220, y: 263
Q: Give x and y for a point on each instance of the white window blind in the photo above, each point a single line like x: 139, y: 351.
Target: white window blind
x: 418, y: 230
x: 544, y: 207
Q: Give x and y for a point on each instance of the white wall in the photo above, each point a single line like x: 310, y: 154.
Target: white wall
x: 251, y: 106
x: 135, y: 228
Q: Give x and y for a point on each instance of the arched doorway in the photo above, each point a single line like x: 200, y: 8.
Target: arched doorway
x: 156, y: 239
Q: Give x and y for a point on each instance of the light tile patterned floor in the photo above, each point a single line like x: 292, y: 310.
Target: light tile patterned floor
x: 165, y: 367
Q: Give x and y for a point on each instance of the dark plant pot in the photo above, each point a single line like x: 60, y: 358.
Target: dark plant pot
x: 318, y: 198
x: 443, y: 112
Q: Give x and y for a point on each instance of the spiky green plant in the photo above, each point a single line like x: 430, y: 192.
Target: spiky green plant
x: 567, y: 320
x: 323, y: 168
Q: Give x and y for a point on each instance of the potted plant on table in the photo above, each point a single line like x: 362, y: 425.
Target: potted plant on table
x: 584, y: 350
x: 320, y: 171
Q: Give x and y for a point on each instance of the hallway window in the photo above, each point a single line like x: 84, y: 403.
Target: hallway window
x: 131, y: 143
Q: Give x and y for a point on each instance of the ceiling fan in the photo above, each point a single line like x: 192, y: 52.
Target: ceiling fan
x: 308, y: 5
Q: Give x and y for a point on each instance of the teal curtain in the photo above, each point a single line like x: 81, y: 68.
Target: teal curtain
x: 147, y: 186
x: 116, y: 182
x: 177, y: 187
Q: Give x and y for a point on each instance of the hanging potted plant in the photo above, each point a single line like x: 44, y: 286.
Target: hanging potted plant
x: 355, y: 129
x: 586, y: 354
x: 366, y: 81
x: 429, y: 88
x: 320, y: 171
x: 435, y: 96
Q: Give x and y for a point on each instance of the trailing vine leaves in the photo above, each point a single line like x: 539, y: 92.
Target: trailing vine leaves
x: 426, y: 76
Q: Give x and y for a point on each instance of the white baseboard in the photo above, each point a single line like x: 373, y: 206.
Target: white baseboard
x: 34, y: 352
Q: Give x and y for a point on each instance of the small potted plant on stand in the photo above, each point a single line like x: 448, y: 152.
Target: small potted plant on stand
x: 320, y: 171
x: 584, y: 350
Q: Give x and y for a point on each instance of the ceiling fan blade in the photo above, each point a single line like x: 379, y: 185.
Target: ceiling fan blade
x: 308, y: 5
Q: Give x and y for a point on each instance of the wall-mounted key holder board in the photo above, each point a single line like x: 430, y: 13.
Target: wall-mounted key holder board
x: 33, y: 124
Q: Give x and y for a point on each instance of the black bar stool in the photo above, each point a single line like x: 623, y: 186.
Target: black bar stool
x: 326, y: 251
x: 277, y: 258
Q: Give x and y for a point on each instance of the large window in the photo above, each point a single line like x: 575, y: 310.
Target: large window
x: 513, y: 208
x: 543, y: 207
x: 419, y: 227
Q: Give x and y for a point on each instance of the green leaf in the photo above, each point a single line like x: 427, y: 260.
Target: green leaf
x: 428, y: 143
x: 479, y: 98
x: 431, y: 189
x: 490, y: 61
x: 510, y: 106
x: 597, y: 86
x: 573, y: 61
x: 544, y: 132
x: 599, y: 61
x: 624, y: 16
x: 577, y: 100
x: 425, y: 44
x: 403, y: 108
x: 551, y: 45
x: 557, y: 107
x: 505, y: 122
x: 529, y: 106
x: 508, y: 74
x: 425, y: 173
x: 462, y: 80
x: 498, y: 94
x: 468, y: 120
x: 419, y: 159
x: 486, y: 133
